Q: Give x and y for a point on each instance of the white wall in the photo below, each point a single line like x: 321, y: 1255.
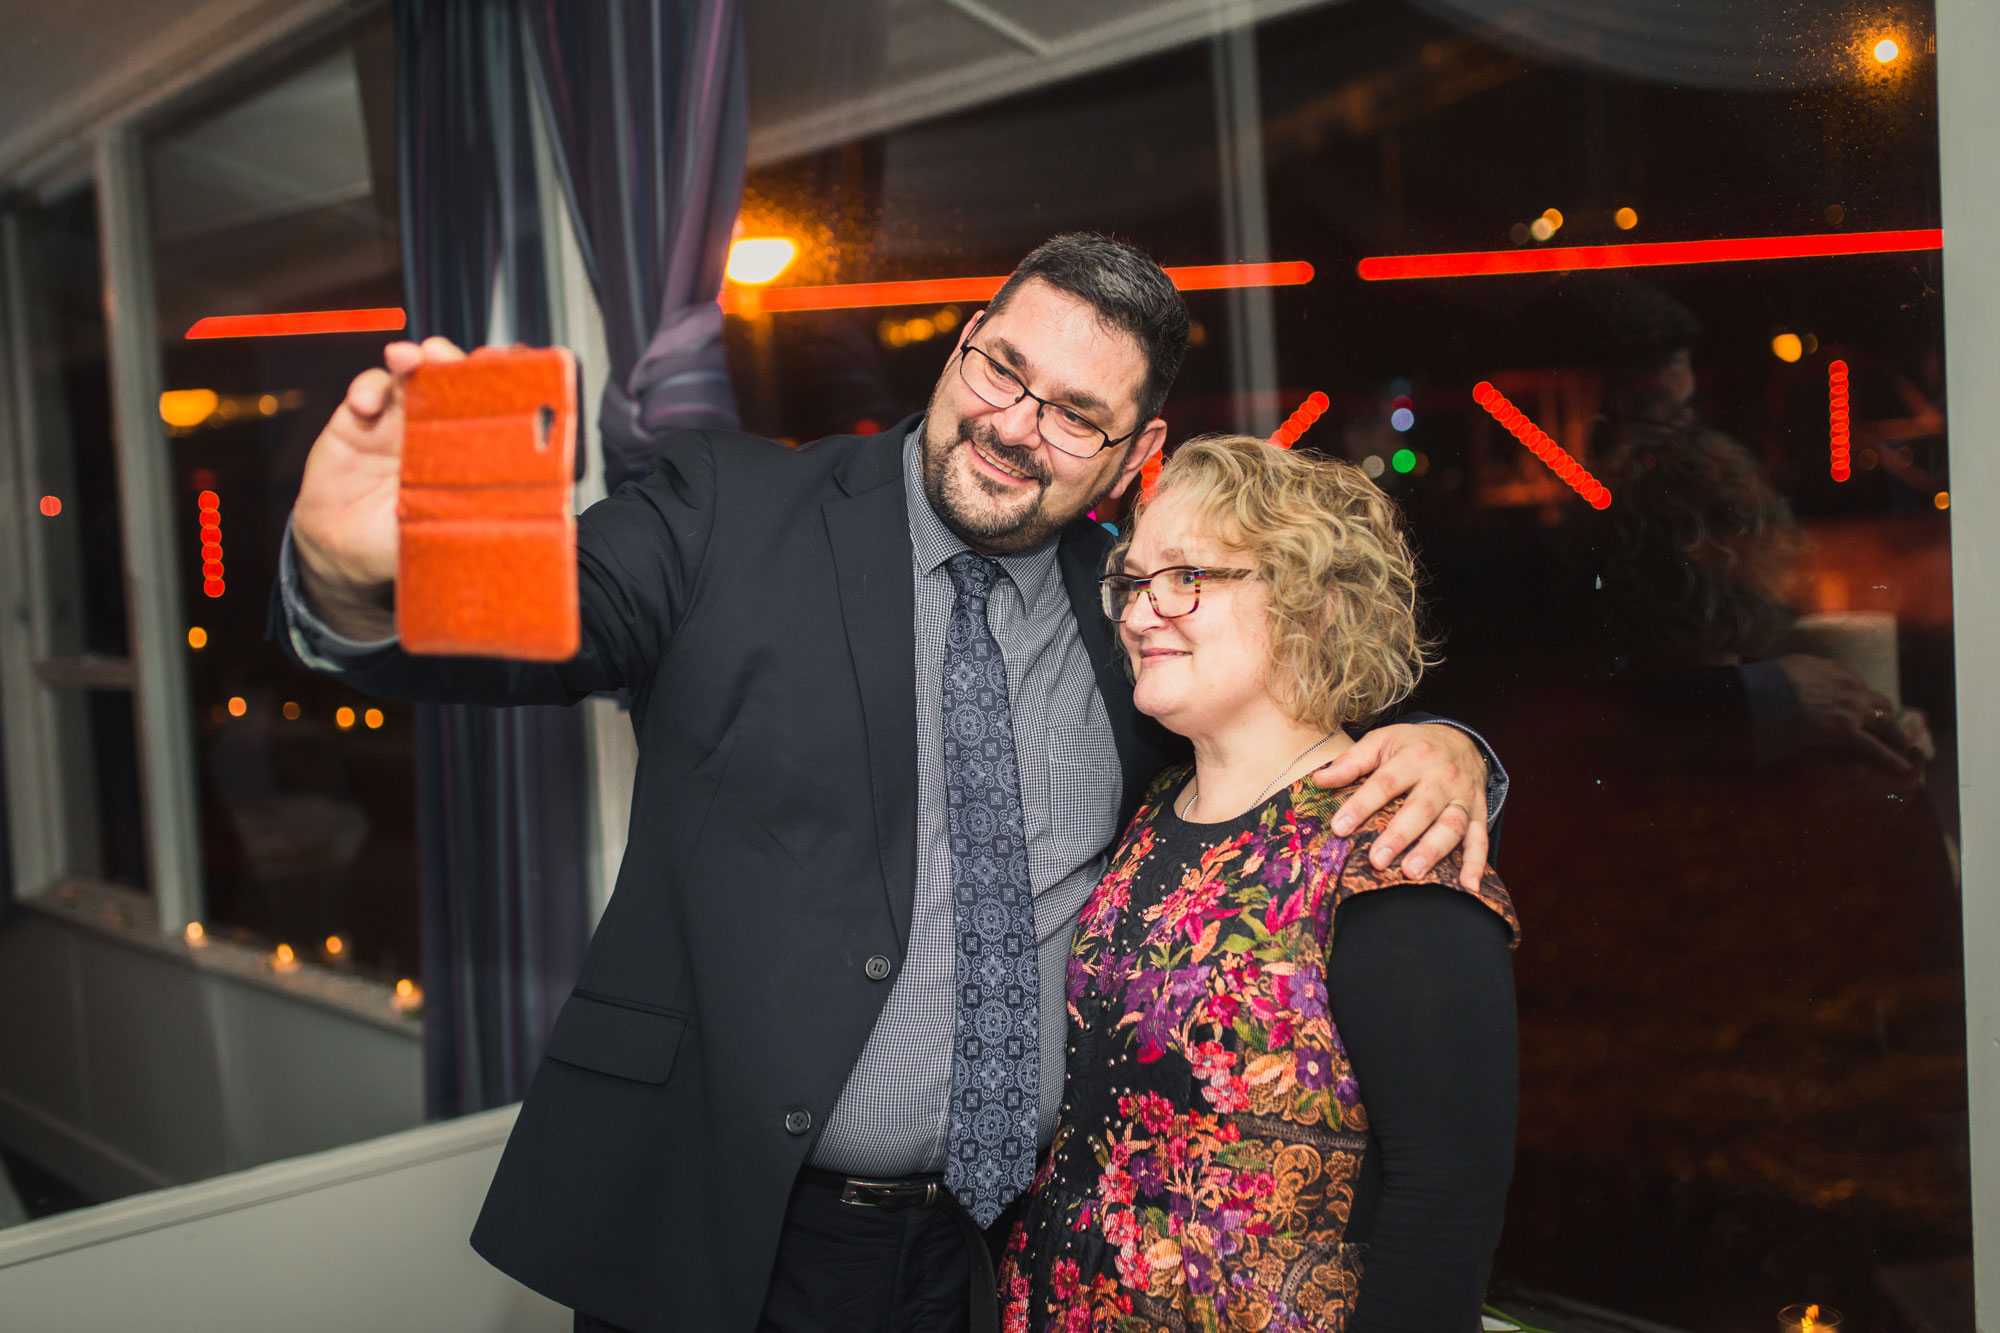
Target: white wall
x: 370, y: 1237
x: 1968, y: 111
x: 124, y: 1067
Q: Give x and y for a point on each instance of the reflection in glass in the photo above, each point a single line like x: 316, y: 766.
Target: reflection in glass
x: 282, y: 201
x: 1714, y: 649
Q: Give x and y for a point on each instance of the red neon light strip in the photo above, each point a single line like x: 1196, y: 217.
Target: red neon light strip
x: 1837, y: 420
x: 1300, y: 421
x: 304, y: 321
x: 1554, y: 455
x: 1485, y: 263
x: 939, y: 291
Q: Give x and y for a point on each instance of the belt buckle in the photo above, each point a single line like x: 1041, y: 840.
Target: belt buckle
x: 880, y: 1193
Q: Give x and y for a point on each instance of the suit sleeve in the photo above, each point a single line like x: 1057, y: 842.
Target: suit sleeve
x: 639, y: 561
x: 1422, y: 991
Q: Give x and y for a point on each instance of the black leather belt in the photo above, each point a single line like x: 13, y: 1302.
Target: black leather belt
x: 927, y: 1192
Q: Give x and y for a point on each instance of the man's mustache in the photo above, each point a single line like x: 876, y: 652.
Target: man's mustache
x: 1021, y: 460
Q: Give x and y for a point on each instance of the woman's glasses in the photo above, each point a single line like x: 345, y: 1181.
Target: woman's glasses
x: 1174, y: 591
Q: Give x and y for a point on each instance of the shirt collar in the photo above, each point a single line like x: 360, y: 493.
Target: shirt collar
x: 935, y: 543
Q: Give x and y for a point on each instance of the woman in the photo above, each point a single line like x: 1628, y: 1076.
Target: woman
x: 1290, y: 1098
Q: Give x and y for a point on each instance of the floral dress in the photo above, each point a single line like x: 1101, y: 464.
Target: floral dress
x: 1212, y: 1130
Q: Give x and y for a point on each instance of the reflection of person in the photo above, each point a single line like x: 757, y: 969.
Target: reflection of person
x: 884, y: 744
x: 1694, y: 562
x: 1290, y: 1101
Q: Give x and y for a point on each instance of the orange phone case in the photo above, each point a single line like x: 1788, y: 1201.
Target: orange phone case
x: 487, y: 564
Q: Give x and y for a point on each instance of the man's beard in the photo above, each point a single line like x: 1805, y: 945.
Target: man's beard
x: 994, y: 534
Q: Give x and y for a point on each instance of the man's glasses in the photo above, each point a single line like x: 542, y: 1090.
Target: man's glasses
x: 1064, y: 428
x: 1174, y: 591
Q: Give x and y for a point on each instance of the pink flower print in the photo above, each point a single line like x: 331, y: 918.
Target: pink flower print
x: 1278, y: 914
x: 1281, y: 1034
x: 1133, y: 1270
x: 1116, y: 1186
x: 1121, y: 1228
x: 1063, y: 1276
x: 1227, y: 1095
x: 1211, y: 1060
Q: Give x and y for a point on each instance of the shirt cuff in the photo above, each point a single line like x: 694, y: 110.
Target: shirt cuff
x: 1496, y: 776
x: 317, y: 645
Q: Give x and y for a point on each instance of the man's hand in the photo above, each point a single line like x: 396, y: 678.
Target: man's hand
x: 1441, y: 775
x: 1842, y: 713
x: 344, y: 521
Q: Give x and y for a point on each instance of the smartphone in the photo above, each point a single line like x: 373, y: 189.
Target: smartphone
x: 486, y: 519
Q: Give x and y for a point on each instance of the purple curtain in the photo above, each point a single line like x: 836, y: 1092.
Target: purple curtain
x: 647, y: 103
x: 500, y: 792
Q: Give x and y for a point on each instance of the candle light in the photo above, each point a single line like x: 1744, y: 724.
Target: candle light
x: 283, y: 959
x: 409, y: 997
x: 1808, y: 1319
x: 195, y: 935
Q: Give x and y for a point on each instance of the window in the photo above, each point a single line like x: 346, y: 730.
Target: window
x: 75, y: 775
x: 281, y: 201
x: 1741, y: 989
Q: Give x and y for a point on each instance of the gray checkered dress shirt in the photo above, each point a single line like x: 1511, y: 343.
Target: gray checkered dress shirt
x: 893, y: 1117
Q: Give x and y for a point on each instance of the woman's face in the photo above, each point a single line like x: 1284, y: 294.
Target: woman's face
x: 1201, y: 673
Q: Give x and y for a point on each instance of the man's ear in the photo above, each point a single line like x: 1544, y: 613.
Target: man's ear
x: 1144, y: 449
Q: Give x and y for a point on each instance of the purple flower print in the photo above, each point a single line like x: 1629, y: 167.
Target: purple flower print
x: 1308, y: 993
x: 1348, y: 1093
x: 1314, y: 1068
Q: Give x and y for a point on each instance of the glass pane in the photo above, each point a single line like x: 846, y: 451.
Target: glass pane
x: 80, y: 543
x: 1740, y: 986
x: 956, y: 198
x: 281, y: 201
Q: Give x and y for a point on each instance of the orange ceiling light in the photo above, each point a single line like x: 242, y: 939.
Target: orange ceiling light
x: 1840, y: 464
x: 1649, y: 254
x: 1556, y: 457
x: 758, y: 259
x: 378, y: 320
x: 942, y: 291
x: 1299, y: 422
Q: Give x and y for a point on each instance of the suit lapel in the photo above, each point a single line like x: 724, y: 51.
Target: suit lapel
x: 869, y: 530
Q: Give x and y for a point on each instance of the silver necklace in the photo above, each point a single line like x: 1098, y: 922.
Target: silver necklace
x: 1194, y: 787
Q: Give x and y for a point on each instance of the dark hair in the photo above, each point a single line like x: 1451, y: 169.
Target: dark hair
x: 1126, y: 289
x: 1696, y: 552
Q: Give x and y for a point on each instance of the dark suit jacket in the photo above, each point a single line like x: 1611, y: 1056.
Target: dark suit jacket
x: 757, y: 602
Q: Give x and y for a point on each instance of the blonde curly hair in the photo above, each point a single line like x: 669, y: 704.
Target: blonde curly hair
x: 1330, y: 547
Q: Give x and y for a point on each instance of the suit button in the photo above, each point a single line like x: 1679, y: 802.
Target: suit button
x: 798, y: 1122
x: 877, y: 967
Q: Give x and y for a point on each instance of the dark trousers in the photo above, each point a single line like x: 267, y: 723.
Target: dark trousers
x: 842, y: 1268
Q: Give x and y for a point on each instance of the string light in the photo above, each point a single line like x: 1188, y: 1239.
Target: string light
x: 1300, y: 421
x: 210, y: 506
x: 1647, y: 254
x: 1553, y: 455
x: 1838, y: 439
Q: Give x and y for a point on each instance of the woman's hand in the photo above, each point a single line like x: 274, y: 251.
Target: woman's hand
x: 1441, y: 776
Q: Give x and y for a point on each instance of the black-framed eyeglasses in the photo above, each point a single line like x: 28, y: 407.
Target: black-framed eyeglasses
x: 1174, y: 591
x: 1064, y: 428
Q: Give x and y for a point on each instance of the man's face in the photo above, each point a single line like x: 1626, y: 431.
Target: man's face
x: 987, y: 470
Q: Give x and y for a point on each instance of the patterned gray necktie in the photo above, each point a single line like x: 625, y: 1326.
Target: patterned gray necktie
x: 996, y: 1057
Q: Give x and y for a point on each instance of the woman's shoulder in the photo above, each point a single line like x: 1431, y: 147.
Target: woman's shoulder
x: 1358, y: 873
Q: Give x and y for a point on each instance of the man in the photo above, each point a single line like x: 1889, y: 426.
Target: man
x: 818, y: 1038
